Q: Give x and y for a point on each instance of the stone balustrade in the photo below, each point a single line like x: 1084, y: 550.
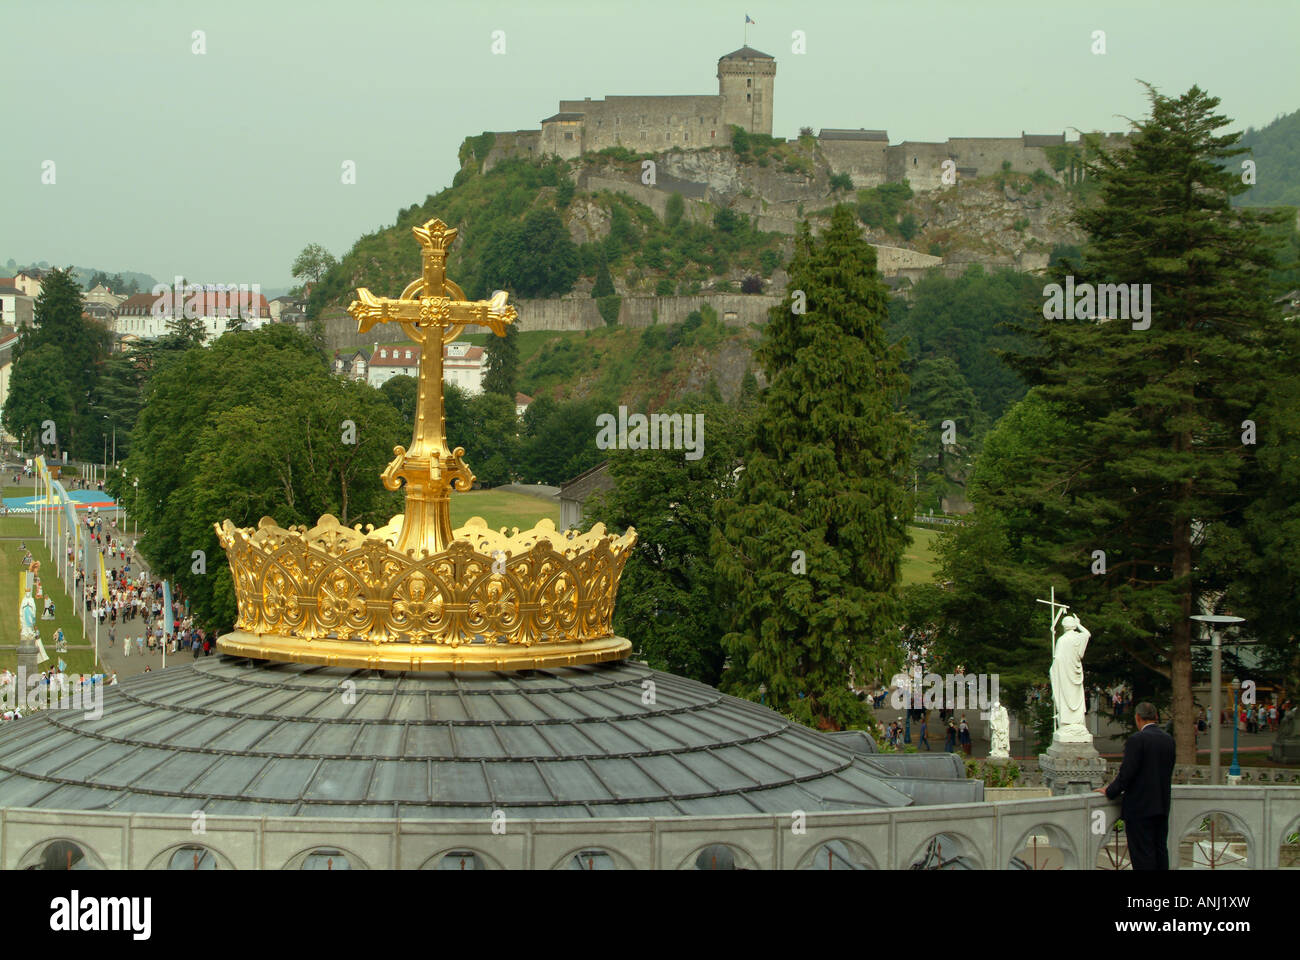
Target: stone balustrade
x: 1254, y: 824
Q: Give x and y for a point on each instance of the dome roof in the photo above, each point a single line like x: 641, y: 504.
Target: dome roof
x: 232, y: 736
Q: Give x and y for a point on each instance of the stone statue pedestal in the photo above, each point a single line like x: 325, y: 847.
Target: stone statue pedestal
x: 1286, y: 749
x: 27, y: 652
x: 1072, y: 767
x: 998, y: 761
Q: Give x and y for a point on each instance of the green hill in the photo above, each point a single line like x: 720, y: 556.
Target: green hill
x: 1276, y: 152
x: 516, y: 224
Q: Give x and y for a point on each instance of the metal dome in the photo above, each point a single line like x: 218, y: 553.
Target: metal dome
x: 235, y: 736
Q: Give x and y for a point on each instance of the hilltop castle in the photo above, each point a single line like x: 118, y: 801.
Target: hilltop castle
x: 744, y: 99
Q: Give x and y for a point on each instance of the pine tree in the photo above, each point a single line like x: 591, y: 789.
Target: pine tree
x: 1153, y: 473
x: 502, y: 357
x: 83, y: 343
x: 811, y: 544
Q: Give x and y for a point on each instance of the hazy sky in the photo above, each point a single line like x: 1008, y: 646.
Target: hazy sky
x: 222, y: 166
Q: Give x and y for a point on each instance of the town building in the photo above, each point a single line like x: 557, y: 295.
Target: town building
x: 462, y: 365
x: 392, y: 360
x: 145, y: 316
x: 17, y: 309
x: 353, y: 366
x: 28, y: 281
x: 8, y: 340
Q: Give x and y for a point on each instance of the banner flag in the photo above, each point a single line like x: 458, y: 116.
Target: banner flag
x: 168, y: 624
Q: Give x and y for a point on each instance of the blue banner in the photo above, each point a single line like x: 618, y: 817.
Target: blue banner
x: 168, y: 620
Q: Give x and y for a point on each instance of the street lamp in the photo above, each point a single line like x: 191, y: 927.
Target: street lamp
x: 1235, y: 769
x: 135, y: 523
x: 1216, y: 624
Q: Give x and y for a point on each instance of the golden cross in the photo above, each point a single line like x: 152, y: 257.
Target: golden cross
x: 433, y: 311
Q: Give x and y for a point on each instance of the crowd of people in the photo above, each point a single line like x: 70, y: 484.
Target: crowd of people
x: 51, y: 680
x: 133, y: 608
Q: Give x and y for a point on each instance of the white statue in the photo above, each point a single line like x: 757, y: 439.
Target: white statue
x: 27, y: 614
x: 1000, y: 727
x: 1067, y: 682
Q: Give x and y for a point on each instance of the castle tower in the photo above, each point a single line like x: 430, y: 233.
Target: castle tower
x: 745, y: 79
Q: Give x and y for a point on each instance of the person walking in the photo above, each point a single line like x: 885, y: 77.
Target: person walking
x: 924, y: 729
x: 963, y: 735
x: 950, y: 739
x: 1145, y: 780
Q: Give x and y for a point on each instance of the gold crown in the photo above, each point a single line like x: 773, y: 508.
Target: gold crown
x: 416, y: 595
x: 491, y: 600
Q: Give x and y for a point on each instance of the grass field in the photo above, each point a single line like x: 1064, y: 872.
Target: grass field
x: 502, y: 508
x: 80, y: 654
x: 919, y: 560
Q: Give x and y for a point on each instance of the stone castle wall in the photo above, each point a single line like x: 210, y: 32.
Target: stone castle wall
x: 515, y: 143
x: 574, y: 314
x: 863, y: 160
x: 648, y: 124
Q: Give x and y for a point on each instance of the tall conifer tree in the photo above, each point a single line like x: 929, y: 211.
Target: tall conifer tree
x: 502, y: 356
x: 1154, y: 472
x: 810, y: 546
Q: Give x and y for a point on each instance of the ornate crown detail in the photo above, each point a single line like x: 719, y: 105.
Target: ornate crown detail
x: 490, y: 600
x: 415, y: 594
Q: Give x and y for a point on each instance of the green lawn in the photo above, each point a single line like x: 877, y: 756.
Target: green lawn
x: 80, y: 654
x: 919, y: 560
x: 502, y: 508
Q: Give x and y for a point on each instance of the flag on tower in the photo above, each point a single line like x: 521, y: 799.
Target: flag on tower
x: 748, y: 20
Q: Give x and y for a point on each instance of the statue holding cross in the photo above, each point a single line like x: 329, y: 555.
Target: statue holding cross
x: 1068, y: 700
x: 433, y: 311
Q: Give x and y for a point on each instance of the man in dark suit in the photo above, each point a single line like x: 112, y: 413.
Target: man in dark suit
x: 1145, y: 778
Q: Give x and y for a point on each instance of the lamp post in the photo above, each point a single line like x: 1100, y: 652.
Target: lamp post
x: 1234, y: 771
x: 135, y: 523
x: 1215, y: 624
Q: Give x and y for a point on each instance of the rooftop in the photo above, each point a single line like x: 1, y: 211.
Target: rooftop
x: 746, y: 53
x: 232, y: 736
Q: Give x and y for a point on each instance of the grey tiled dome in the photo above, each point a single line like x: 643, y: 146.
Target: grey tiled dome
x: 234, y: 736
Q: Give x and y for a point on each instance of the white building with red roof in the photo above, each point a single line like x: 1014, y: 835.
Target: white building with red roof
x: 462, y: 364
x: 145, y: 316
x: 390, y: 360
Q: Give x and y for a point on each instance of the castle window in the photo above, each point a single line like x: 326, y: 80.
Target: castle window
x: 748, y: 97
x: 749, y: 83
x: 568, y: 136
x: 688, y: 138
x: 712, y: 134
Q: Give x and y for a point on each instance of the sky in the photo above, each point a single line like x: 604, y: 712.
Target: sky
x: 222, y: 165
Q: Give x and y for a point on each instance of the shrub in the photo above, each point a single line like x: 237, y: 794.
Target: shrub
x: 608, y: 307
x: 674, y: 210
x: 664, y: 287
x: 620, y: 154
x: 841, y: 181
